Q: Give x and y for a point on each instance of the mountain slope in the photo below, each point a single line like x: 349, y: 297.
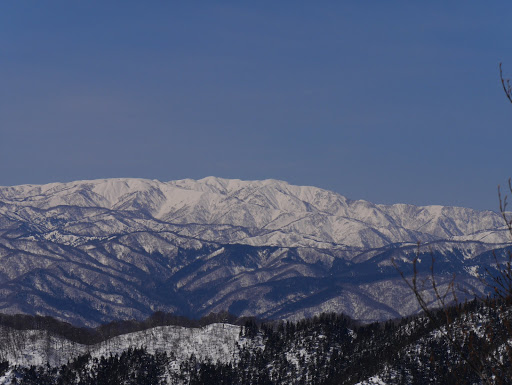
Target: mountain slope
x: 92, y: 251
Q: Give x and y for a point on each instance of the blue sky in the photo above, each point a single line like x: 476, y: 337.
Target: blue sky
x: 391, y: 102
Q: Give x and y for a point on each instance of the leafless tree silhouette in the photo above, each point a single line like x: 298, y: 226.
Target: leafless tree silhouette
x: 491, y: 358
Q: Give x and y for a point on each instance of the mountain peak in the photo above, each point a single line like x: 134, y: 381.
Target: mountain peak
x: 224, y: 242
x: 280, y: 213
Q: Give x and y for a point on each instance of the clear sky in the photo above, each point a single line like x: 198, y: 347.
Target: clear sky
x: 389, y: 101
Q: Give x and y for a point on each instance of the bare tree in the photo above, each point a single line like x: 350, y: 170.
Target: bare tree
x: 491, y: 361
x: 448, y: 318
x: 507, y: 87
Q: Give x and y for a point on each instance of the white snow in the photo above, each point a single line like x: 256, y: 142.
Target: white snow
x: 315, y: 217
x: 375, y: 380
x: 219, y: 342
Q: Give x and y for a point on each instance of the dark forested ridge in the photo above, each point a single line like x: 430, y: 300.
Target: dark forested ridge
x: 89, y: 336
x: 326, y: 349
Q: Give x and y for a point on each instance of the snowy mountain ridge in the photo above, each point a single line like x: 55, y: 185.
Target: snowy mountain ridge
x: 271, y: 212
x: 90, y: 252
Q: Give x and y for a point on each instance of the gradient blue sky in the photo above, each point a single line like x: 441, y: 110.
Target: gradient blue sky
x: 395, y: 101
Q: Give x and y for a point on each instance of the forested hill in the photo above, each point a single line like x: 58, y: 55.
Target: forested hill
x: 327, y: 349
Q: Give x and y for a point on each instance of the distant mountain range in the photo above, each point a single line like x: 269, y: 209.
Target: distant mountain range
x: 89, y: 252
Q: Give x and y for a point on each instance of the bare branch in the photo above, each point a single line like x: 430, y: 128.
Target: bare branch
x: 507, y: 87
x: 476, y: 363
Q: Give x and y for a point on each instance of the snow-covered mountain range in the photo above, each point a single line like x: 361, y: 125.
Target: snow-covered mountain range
x: 257, y: 213
x: 93, y: 251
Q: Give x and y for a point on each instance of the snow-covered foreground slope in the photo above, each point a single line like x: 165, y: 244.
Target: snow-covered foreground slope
x: 216, y: 342
x: 89, y: 252
x: 326, y: 350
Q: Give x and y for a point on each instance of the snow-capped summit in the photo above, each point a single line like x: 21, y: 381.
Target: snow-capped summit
x: 270, y: 212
